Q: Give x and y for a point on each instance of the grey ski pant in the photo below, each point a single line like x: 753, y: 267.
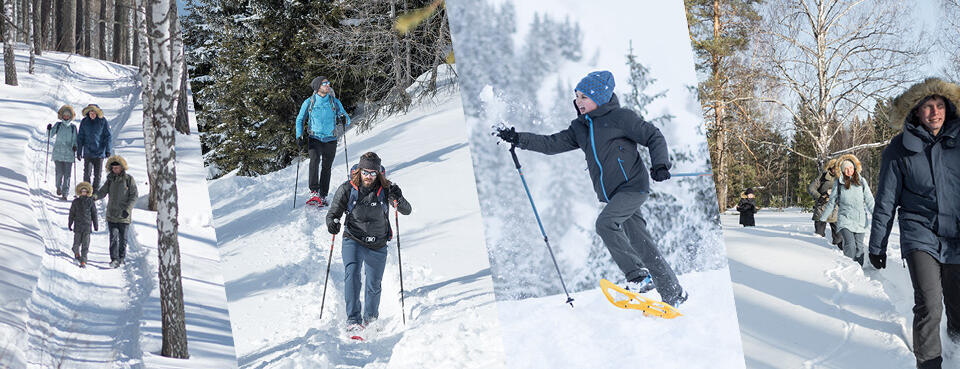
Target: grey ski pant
x: 61, y: 176
x: 852, y: 245
x: 81, y: 243
x: 934, y: 285
x: 624, y: 232
x: 118, y: 240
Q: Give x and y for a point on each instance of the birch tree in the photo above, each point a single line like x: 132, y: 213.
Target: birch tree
x: 950, y: 44
x: 9, y: 63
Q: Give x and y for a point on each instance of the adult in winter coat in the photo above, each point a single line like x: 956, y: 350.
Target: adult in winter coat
x: 608, y: 136
x: 366, y: 200
x: 93, y: 143
x: 122, y: 190
x: 321, y: 115
x: 64, y: 148
x: 747, y: 207
x: 919, y: 182
x: 83, y: 217
x: 852, y: 199
x: 820, y: 189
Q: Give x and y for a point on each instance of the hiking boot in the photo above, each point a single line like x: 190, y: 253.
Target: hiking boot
x: 323, y: 202
x: 114, y: 264
x: 315, y: 198
x: 58, y: 192
x: 640, y: 284
x: 676, y: 301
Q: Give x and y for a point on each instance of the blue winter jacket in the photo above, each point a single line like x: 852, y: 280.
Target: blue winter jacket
x: 855, y: 203
x: 920, y: 182
x: 94, y: 138
x: 323, y: 117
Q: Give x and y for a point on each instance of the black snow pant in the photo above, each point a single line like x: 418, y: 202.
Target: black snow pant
x: 624, y: 232
x: 81, y: 243
x: 92, y: 166
x: 934, y: 285
x: 321, y: 152
x: 118, y: 240
x: 821, y: 227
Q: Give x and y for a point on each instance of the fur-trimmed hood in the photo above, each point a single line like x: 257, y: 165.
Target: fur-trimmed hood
x: 94, y: 108
x: 66, y: 108
x: 115, y: 158
x: 838, y: 164
x: 84, y: 185
x: 903, y: 106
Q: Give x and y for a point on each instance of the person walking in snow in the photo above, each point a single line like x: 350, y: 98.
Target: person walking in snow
x: 919, y: 183
x: 820, y: 189
x: 853, y: 201
x: 747, y: 207
x: 64, y: 148
x: 122, y: 189
x: 319, y: 122
x: 93, y: 143
x: 609, y: 135
x: 365, y: 199
x: 83, y: 217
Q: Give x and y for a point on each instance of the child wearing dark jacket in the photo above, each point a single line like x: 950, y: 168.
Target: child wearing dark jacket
x: 83, y: 215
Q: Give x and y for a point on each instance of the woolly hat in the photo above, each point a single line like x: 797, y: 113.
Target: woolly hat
x: 598, y: 86
x: 94, y: 108
x: 316, y: 83
x: 749, y: 191
x: 370, y: 161
x: 66, y: 109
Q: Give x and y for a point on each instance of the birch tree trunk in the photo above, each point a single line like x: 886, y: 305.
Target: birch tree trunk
x: 118, y: 28
x: 31, y: 35
x: 9, y: 65
x: 35, y: 20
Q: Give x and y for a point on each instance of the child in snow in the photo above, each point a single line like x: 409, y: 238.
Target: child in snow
x: 83, y: 214
x: 609, y: 135
x: 747, y: 207
x: 365, y: 198
x: 64, y: 148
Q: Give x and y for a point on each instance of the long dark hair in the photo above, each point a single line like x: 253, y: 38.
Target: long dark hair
x: 855, y: 179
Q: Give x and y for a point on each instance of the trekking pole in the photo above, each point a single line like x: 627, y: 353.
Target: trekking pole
x: 323, y: 298
x: 46, y: 159
x: 346, y: 156
x: 403, y: 309
x: 297, y: 181
x: 516, y: 161
x: 693, y: 174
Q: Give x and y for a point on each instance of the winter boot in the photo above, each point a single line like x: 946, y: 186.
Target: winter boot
x: 323, y: 202
x: 83, y: 264
x: 114, y: 264
x: 859, y: 259
x: 58, y: 191
x: 931, y: 364
x: 315, y: 199
x: 640, y: 284
x: 675, y: 302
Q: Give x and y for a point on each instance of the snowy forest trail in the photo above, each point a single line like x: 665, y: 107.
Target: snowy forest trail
x: 98, y: 316
x: 802, y: 304
x: 276, y: 257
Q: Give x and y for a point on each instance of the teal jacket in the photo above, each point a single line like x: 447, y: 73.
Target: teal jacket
x: 855, y: 204
x: 323, y: 117
x: 64, y: 136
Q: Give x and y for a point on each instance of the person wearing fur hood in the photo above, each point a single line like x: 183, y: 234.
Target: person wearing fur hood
x: 64, y: 148
x: 852, y: 199
x: 122, y: 190
x: 83, y: 217
x: 919, y: 184
x: 820, y: 189
x: 93, y: 142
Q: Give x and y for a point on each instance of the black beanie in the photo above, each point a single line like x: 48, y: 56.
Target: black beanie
x: 315, y: 84
x: 749, y: 191
x: 370, y: 161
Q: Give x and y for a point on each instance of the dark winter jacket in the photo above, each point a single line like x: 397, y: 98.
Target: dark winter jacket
x: 323, y: 117
x: 608, y: 137
x: 122, y: 190
x: 820, y: 189
x: 83, y: 213
x: 919, y: 180
x: 94, y: 138
x: 367, y: 223
x: 747, y: 207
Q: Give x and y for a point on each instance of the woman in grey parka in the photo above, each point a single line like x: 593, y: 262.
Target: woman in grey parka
x: 854, y: 201
x: 64, y: 134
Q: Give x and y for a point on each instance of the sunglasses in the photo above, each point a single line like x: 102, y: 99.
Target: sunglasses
x: 368, y: 173
x: 325, y: 83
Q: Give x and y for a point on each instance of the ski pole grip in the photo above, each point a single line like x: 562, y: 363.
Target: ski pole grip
x: 513, y: 153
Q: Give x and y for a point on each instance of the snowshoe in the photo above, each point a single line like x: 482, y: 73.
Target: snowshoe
x: 317, y: 200
x: 354, y: 331
x: 83, y: 264
x: 641, y: 285
x: 634, y: 300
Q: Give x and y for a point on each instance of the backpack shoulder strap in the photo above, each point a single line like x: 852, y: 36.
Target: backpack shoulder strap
x: 354, y: 196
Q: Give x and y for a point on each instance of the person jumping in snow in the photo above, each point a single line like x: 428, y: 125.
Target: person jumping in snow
x: 64, y: 149
x: 365, y: 199
x: 852, y: 197
x: 93, y: 143
x: 919, y: 183
x: 609, y: 135
x: 122, y: 189
x: 321, y: 114
x: 83, y: 216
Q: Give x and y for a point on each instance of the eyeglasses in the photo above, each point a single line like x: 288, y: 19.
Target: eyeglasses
x: 368, y: 173
x: 325, y: 83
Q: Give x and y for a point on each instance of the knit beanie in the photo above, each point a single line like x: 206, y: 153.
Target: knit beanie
x: 370, y: 161
x: 315, y: 84
x: 598, y: 86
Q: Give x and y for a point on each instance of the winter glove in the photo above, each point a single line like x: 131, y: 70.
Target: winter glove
x: 49, y: 126
x: 878, y: 261
x: 302, y: 141
x: 124, y: 214
x: 395, y: 193
x: 660, y: 173
x: 333, y: 226
x: 74, y: 147
x: 509, y: 135
x: 107, y: 154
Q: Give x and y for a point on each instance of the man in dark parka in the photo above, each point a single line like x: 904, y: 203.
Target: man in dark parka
x: 919, y: 182
x: 122, y: 190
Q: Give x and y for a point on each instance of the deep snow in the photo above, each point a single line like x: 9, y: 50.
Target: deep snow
x: 802, y: 304
x: 55, y: 313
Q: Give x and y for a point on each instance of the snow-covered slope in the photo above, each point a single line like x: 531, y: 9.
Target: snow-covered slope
x: 802, y: 304
x: 276, y: 256
x: 56, y: 314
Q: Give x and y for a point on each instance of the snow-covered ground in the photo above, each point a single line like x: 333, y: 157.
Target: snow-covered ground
x: 275, y: 258
x: 802, y: 304
x: 53, y: 313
